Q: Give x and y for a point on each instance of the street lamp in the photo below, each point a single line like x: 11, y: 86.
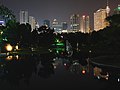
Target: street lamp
x: 9, y: 47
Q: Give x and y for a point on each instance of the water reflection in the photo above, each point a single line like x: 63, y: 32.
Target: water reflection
x: 76, y: 67
x: 13, y: 69
x: 16, y: 68
x: 22, y: 68
x: 45, y: 67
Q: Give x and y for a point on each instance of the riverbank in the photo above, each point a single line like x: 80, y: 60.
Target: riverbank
x: 41, y: 50
x: 111, y: 60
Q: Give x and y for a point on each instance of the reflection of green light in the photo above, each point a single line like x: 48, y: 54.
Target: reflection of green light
x: 60, y: 44
x: 60, y: 49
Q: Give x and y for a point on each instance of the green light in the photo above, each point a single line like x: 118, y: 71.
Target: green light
x: 118, y: 8
x: 56, y: 40
x: 57, y: 51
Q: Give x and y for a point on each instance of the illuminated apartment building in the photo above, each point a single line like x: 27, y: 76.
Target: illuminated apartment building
x: 84, y: 24
x: 74, y: 23
x: 32, y: 22
x: 99, y: 18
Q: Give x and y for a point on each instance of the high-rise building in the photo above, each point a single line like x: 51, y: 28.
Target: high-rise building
x: 24, y: 17
x: 64, y: 26
x: 56, y: 26
x: 46, y: 23
x: 74, y: 23
x: 85, y: 24
x: 32, y: 22
x: 100, y: 18
x: 117, y: 10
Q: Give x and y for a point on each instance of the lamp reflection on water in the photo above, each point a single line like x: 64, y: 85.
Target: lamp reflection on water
x: 10, y: 57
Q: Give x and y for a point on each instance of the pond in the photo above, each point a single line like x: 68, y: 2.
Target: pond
x: 46, y: 71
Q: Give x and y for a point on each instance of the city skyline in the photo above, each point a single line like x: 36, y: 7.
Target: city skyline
x: 59, y: 9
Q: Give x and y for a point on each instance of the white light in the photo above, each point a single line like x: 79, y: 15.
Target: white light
x: 118, y: 80
x: 106, y: 78
x: 16, y: 47
x: 65, y: 64
x: 98, y: 77
x: 17, y: 57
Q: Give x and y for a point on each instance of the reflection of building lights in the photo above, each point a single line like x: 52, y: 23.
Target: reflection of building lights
x: 9, y: 47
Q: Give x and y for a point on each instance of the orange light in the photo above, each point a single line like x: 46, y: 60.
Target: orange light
x: 9, y: 57
x: 9, y: 47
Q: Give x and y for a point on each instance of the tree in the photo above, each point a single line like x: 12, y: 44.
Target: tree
x: 114, y: 20
x: 25, y: 35
x: 6, y: 13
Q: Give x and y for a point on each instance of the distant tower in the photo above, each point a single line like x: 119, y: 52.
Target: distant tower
x: 107, y: 9
x: 24, y: 17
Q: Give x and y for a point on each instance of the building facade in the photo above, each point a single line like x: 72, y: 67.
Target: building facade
x: 56, y: 26
x: 32, y: 22
x: 24, y: 17
x: 46, y: 23
x: 75, y: 23
x: 85, y: 24
x: 100, y: 18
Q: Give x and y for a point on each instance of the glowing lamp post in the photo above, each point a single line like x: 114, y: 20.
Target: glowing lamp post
x: 9, y: 47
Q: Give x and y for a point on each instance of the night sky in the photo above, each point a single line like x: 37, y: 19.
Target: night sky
x: 59, y: 9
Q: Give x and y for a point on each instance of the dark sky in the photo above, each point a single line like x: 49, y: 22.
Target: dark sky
x: 59, y: 9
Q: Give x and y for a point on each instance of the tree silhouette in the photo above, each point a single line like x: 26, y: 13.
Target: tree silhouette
x: 6, y: 13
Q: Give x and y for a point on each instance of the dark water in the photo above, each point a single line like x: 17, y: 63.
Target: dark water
x: 46, y: 71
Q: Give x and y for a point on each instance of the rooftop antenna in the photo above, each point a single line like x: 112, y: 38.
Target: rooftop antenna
x: 107, y: 8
